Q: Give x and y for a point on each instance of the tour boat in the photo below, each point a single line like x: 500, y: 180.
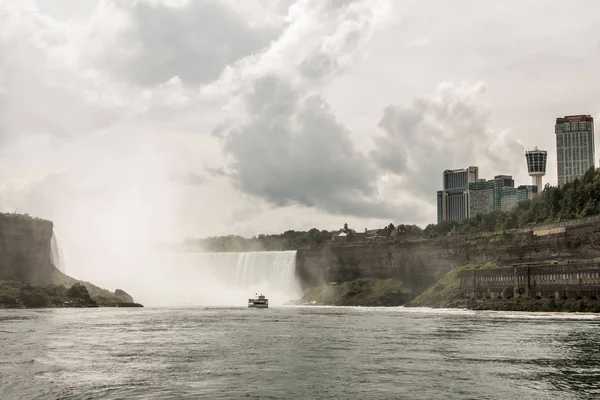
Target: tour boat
x: 258, y: 302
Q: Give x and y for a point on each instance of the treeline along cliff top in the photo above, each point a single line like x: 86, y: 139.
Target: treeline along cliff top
x: 577, y: 199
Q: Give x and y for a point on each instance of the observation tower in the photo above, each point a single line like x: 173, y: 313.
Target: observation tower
x: 536, y: 167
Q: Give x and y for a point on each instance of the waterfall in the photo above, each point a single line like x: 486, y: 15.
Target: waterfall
x: 56, y: 253
x: 226, y: 279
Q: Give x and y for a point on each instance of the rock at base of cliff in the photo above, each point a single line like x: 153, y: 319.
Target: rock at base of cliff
x: 124, y: 296
x: 105, y: 298
x: 128, y: 304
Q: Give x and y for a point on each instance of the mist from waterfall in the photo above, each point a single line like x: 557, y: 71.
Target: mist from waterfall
x: 56, y: 256
x: 216, y: 279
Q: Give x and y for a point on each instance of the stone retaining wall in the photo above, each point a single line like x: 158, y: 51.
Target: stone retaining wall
x: 555, y: 281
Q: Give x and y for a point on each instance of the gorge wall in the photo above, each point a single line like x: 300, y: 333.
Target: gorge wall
x: 421, y: 262
x: 25, y: 245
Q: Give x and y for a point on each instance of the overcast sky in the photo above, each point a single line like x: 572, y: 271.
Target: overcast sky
x: 165, y: 119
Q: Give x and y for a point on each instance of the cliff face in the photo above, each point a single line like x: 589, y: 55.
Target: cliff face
x: 421, y: 263
x: 25, y: 249
x: 417, y: 263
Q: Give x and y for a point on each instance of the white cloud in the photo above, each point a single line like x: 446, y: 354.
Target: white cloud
x: 418, y: 42
x: 447, y: 130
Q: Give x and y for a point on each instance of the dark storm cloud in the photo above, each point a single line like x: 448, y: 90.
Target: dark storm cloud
x: 294, y: 151
x: 194, y: 41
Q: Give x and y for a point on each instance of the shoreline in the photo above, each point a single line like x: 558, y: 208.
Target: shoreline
x: 512, y: 311
x: 20, y: 307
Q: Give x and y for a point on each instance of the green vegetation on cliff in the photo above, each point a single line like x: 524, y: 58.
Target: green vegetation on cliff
x: 13, y: 216
x: 577, y: 199
x: 63, y: 292
x: 289, y: 240
x: 361, y: 292
x: 443, y: 292
x: 22, y: 295
x: 102, y: 296
x: 15, y: 294
x: 446, y: 291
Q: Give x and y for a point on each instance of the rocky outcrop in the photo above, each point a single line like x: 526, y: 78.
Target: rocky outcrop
x: 124, y: 296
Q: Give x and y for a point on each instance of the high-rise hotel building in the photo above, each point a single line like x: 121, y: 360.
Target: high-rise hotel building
x: 453, y: 199
x: 574, y: 146
x: 486, y: 196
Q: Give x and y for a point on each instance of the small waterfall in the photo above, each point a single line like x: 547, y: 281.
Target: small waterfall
x: 228, y: 279
x: 56, y: 253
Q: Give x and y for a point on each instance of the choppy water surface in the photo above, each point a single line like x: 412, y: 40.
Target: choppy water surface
x: 303, y: 353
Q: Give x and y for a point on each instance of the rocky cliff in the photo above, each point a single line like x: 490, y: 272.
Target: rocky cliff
x: 421, y: 263
x: 417, y: 263
x: 25, y: 249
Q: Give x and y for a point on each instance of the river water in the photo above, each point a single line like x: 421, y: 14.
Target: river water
x: 296, y: 353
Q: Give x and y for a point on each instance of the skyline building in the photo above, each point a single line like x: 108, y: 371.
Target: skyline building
x: 465, y: 195
x: 488, y: 196
x: 526, y: 192
x: 453, y: 199
x: 511, y: 197
x: 536, y: 167
x: 575, y: 152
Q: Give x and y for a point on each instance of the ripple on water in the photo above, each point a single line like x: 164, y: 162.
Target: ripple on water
x: 299, y: 352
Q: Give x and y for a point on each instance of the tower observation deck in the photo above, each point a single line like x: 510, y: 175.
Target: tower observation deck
x: 536, y: 167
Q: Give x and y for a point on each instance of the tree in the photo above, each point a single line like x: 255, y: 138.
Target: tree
x: 33, y: 297
x: 79, y: 292
x: 441, y: 229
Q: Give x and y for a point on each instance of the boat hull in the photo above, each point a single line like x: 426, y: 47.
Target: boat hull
x: 258, y: 306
